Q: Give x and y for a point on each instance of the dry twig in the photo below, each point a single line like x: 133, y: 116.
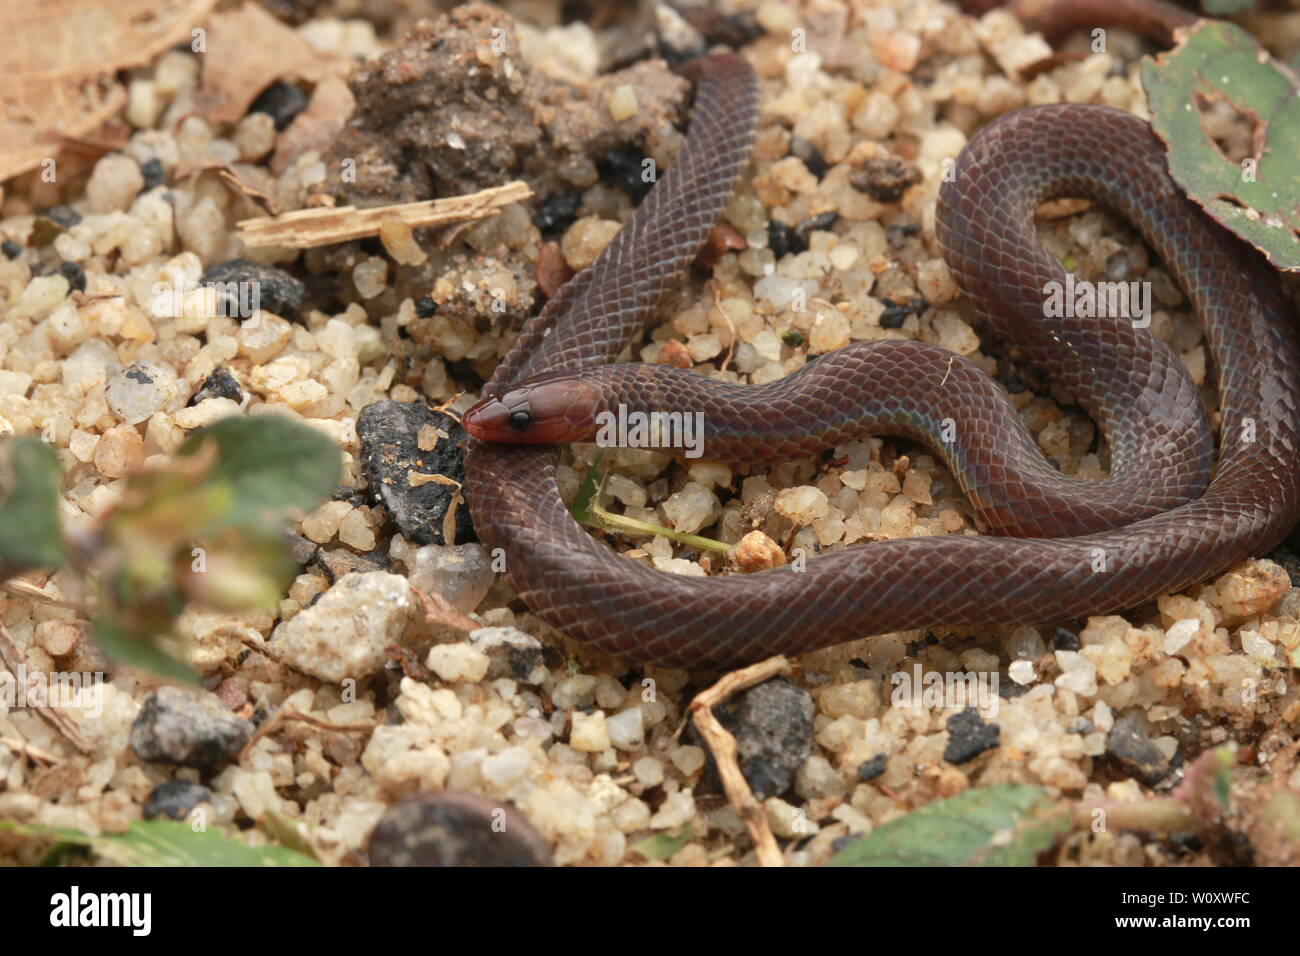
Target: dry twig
x: 13, y: 659
x: 723, y: 746
x: 307, y: 228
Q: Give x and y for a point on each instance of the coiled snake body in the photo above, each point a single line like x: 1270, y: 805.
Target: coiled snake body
x: 1154, y: 527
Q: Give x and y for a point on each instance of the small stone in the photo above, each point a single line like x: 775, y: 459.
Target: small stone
x: 175, y: 799
x: 458, y: 662
x: 1129, y: 746
x: 120, y: 452
x: 243, y: 281
x: 113, y: 185
x: 137, y: 391
x: 589, y: 733
x: 282, y: 102
x: 450, y: 828
x: 394, y: 465
x: 1179, y: 634
x: 59, y: 637
x: 969, y: 736
x: 627, y: 729
x: 871, y: 769
x: 586, y: 239
x: 370, y: 276
x: 220, y: 383
x: 757, y: 552
x: 461, y: 573
x: 345, y: 633
x: 323, y: 523
x: 75, y: 274
x: 773, y: 727
x: 1022, y: 672
x: 355, y: 532
x: 622, y: 102
x: 1064, y: 639
x: 192, y: 729
x: 512, y: 653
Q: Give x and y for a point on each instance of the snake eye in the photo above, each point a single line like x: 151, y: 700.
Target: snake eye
x: 520, y: 420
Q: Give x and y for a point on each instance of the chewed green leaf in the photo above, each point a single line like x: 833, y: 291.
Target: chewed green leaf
x: 1005, y: 825
x: 662, y: 846
x: 1259, y: 197
x: 29, y: 505
x: 271, y: 463
x: 169, y: 843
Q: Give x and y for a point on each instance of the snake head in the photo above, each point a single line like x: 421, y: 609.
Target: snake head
x: 551, y: 408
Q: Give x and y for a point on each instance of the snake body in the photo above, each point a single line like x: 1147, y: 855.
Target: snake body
x: 1156, y: 526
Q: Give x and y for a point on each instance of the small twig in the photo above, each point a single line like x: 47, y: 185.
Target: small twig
x: 30, y: 750
x: 439, y: 610
x: 725, y: 753
x: 280, y: 716
x: 16, y: 662
x: 307, y: 228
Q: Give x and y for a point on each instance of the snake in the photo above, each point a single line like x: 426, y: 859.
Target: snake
x: 1170, y: 515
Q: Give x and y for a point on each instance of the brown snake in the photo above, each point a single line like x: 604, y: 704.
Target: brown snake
x: 1154, y: 527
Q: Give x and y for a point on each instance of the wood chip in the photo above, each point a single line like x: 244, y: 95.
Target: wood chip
x: 308, y: 228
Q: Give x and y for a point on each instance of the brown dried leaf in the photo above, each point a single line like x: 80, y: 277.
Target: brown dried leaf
x: 247, y: 51
x: 58, y: 61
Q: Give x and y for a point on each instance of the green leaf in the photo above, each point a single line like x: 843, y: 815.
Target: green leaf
x: 1220, y: 61
x: 587, y: 493
x: 1226, y: 8
x: 662, y: 846
x: 1004, y: 825
x: 169, y: 843
x: 138, y: 650
x: 29, y: 505
x: 271, y: 464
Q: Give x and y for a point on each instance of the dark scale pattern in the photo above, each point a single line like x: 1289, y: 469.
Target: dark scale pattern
x: 1125, y: 378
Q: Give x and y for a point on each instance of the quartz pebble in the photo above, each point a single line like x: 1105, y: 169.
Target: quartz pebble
x: 346, y: 632
x: 137, y: 391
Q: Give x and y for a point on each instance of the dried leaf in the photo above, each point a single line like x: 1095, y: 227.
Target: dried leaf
x: 59, y: 58
x: 247, y: 51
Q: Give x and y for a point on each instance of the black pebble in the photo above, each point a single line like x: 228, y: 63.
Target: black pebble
x: 622, y: 168
x: 556, y: 212
x: 779, y: 238
x: 894, y: 316
x: 969, y: 736
x: 1064, y: 639
x: 425, y: 307
x: 818, y: 223
x: 219, y: 384
x: 11, y: 249
x: 773, y: 727
x: 450, y: 828
x: 812, y: 156
x: 64, y: 215
x: 897, y: 234
x: 175, y: 799
x: 389, y: 435
x: 1129, y: 746
x: 873, y: 768
x: 153, y: 173
x: 281, y: 101
x: 188, y: 728
x: 75, y: 275
x: 277, y: 291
